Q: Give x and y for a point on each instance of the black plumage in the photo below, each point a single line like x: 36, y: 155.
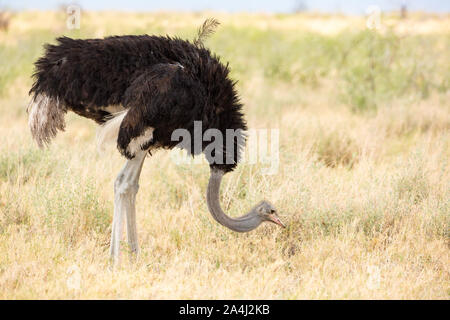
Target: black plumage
x: 165, y: 83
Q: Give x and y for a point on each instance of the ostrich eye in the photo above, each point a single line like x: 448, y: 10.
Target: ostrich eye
x: 272, y: 211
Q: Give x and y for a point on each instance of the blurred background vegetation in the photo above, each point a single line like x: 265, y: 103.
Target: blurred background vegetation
x: 370, y: 67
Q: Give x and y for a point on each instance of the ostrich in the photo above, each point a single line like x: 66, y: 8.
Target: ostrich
x: 140, y: 89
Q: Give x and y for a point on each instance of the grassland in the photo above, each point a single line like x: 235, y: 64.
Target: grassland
x: 363, y: 182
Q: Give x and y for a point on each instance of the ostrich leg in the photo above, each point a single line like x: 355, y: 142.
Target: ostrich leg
x: 125, y: 189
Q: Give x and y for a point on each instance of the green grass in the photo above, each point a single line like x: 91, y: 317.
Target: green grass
x: 371, y: 68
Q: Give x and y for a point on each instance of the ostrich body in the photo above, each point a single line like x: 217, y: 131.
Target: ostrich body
x: 140, y: 89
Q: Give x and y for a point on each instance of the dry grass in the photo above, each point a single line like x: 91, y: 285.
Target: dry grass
x: 365, y: 195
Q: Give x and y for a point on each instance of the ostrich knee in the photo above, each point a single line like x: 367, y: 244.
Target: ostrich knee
x: 125, y: 187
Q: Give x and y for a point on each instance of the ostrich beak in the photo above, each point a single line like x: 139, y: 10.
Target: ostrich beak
x: 274, y: 218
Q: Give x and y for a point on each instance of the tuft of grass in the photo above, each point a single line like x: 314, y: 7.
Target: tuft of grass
x: 74, y: 209
x: 335, y: 149
x: 20, y: 167
x: 13, y: 211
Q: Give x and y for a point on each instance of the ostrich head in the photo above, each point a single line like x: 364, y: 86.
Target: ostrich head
x: 263, y: 211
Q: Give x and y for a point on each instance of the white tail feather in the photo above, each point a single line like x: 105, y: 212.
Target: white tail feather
x: 46, y: 118
x: 109, y: 131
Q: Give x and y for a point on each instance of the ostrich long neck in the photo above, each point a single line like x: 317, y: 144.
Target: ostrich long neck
x: 244, y: 223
